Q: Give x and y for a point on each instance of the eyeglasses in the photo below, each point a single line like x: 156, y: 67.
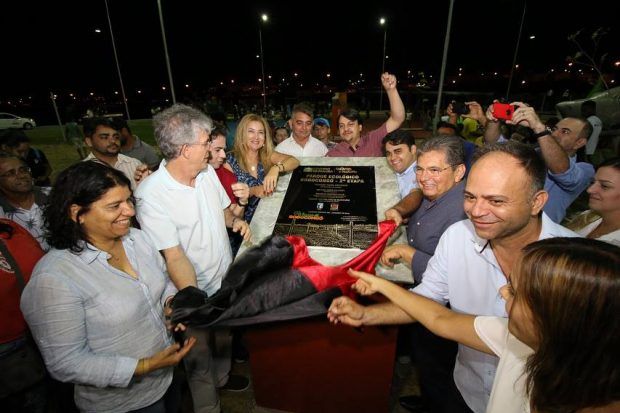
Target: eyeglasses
x: 432, y: 171
x: 204, y: 145
x: 12, y: 173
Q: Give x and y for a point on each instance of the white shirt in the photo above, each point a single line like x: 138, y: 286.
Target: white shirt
x: 612, y: 237
x: 407, y: 180
x: 125, y: 164
x: 465, y: 272
x: 31, y: 219
x: 313, y: 147
x: 508, y: 394
x: 175, y: 214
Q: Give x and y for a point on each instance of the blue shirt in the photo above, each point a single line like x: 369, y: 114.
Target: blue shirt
x: 565, y: 187
x: 465, y: 273
x: 93, y: 322
x: 429, y: 222
x: 246, y: 178
x: 407, y: 180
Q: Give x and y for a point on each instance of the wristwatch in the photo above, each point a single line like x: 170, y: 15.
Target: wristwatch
x: 545, y: 132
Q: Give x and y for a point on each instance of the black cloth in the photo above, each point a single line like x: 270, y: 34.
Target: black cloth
x: 260, y: 286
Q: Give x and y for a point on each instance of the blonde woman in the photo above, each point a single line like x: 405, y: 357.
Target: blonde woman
x: 254, y: 161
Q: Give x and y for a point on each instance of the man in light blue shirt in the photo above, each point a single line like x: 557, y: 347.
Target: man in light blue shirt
x: 566, y: 178
x: 504, y: 199
x: 400, y: 151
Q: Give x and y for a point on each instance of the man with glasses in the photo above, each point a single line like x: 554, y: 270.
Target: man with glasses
x: 439, y: 173
x: 20, y: 200
x: 184, y: 209
x: 566, y: 178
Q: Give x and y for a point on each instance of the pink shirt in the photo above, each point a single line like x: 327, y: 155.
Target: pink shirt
x: 369, y: 145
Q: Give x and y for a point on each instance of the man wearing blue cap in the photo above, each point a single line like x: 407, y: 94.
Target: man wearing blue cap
x: 322, y: 132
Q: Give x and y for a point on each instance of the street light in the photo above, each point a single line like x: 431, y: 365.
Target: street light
x: 264, y: 18
x: 382, y: 23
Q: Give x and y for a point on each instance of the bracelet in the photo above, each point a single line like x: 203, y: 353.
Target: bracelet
x: 280, y: 165
x: 243, y: 205
x: 142, y: 368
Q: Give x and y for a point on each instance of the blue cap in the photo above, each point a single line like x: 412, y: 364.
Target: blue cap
x: 321, y: 121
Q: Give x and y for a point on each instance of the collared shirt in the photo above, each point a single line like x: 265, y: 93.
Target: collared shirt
x: 30, y: 219
x: 313, y: 147
x: 93, y: 322
x: 406, y: 180
x: 465, y: 272
x: 125, y: 164
x: 143, y: 152
x: 174, y: 214
x: 565, y: 187
x: 429, y: 222
x: 369, y: 145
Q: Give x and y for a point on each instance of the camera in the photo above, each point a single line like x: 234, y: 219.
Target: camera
x: 460, y: 108
x: 503, y: 111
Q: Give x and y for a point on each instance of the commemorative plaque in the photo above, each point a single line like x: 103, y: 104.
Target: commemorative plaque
x: 330, y: 206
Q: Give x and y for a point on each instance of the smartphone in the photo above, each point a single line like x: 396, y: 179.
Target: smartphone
x: 503, y: 111
x: 460, y: 108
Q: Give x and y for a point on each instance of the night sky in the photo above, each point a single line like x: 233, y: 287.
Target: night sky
x: 53, y: 45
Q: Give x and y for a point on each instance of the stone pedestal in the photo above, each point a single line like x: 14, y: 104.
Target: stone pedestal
x: 387, y: 196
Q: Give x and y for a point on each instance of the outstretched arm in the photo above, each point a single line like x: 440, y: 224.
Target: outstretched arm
x: 397, y: 108
x: 434, y: 316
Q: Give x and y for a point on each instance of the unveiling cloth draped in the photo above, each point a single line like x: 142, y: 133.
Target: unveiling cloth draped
x: 275, y: 281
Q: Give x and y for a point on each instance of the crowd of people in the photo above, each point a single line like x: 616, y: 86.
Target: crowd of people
x: 98, y: 256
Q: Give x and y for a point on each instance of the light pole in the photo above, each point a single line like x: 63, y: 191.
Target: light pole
x: 444, y: 61
x: 163, y: 35
x: 514, y: 59
x: 382, y: 23
x: 264, y: 18
x: 118, y: 68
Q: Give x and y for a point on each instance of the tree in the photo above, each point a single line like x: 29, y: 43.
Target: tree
x: 582, y: 57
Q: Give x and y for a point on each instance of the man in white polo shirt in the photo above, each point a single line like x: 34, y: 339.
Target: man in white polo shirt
x: 301, y: 143
x: 184, y: 209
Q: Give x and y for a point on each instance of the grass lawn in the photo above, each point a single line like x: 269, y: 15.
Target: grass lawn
x: 61, y: 154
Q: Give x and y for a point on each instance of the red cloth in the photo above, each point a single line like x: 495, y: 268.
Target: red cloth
x: 324, y: 277
x: 227, y: 178
x: 26, y: 252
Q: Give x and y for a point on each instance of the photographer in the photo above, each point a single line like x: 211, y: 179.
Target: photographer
x: 566, y: 178
x: 471, y: 127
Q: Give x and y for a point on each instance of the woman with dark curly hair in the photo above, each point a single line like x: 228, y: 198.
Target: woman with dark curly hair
x: 95, y: 303
x: 559, y: 348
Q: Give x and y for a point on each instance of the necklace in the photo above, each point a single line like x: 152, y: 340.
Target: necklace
x: 253, y: 168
